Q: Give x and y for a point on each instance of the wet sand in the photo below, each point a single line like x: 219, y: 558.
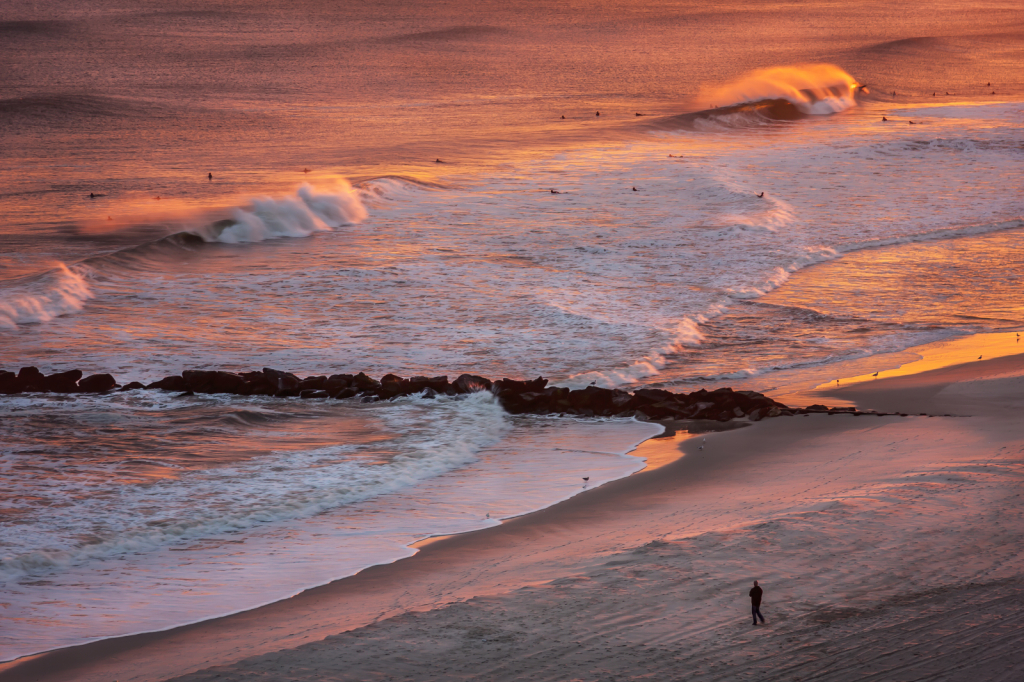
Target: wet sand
x: 888, y: 547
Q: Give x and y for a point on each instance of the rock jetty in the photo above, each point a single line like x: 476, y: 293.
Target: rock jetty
x: 515, y: 396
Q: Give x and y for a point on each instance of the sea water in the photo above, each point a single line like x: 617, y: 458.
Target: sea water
x: 395, y: 190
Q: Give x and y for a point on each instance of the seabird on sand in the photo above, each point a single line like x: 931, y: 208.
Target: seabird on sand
x: 979, y: 357
x: 875, y: 374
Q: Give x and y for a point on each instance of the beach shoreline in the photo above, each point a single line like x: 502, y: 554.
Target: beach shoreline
x: 706, y: 488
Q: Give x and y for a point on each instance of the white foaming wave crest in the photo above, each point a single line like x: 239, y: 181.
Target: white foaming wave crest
x: 686, y: 334
x: 300, y: 215
x: 64, y: 290
x: 814, y: 89
x: 291, y: 486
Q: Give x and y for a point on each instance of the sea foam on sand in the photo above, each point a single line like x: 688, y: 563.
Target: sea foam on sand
x: 887, y: 547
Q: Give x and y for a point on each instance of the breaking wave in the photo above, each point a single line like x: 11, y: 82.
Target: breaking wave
x: 58, y: 292
x: 811, y: 89
x: 300, y: 215
x: 766, y: 96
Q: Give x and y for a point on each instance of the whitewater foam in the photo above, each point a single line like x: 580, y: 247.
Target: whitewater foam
x: 287, y: 486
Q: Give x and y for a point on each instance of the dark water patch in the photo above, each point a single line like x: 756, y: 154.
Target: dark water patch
x: 454, y: 33
x: 72, y: 106
x: 746, y: 115
x: 14, y: 29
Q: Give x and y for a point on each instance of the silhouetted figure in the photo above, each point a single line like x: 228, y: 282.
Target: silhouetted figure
x: 761, y: 195
x: 563, y: 118
x: 988, y: 84
x: 555, y: 192
x: 305, y: 170
x: 639, y: 114
x: 755, y: 602
x: 109, y: 218
x: 598, y: 113
x: 912, y: 123
x: 884, y: 118
x: 91, y: 195
x: 438, y: 161
x: 635, y: 189
x: 158, y: 198
x: 210, y: 176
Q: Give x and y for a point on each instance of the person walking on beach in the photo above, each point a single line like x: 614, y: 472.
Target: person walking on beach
x: 755, y: 602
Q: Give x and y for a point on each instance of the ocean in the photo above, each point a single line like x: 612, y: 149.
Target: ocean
x: 674, y: 195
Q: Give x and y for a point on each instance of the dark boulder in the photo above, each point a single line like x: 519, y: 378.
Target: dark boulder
x: 649, y: 396
x: 307, y: 393
x: 312, y: 382
x: 97, y: 383
x: 202, y: 381
x: 282, y: 381
x: 9, y: 383
x: 600, y: 400
x: 62, y: 382
x: 337, y: 383
x: 30, y: 375
x: 365, y: 384
x: 346, y: 393
x: 470, y: 383
x: 172, y: 383
x: 535, y: 386
x: 438, y: 384
x: 131, y: 387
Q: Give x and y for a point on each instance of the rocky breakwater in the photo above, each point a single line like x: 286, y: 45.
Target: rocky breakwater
x: 31, y: 380
x: 515, y: 396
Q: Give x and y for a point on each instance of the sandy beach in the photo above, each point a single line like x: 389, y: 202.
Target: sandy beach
x: 888, y: 548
